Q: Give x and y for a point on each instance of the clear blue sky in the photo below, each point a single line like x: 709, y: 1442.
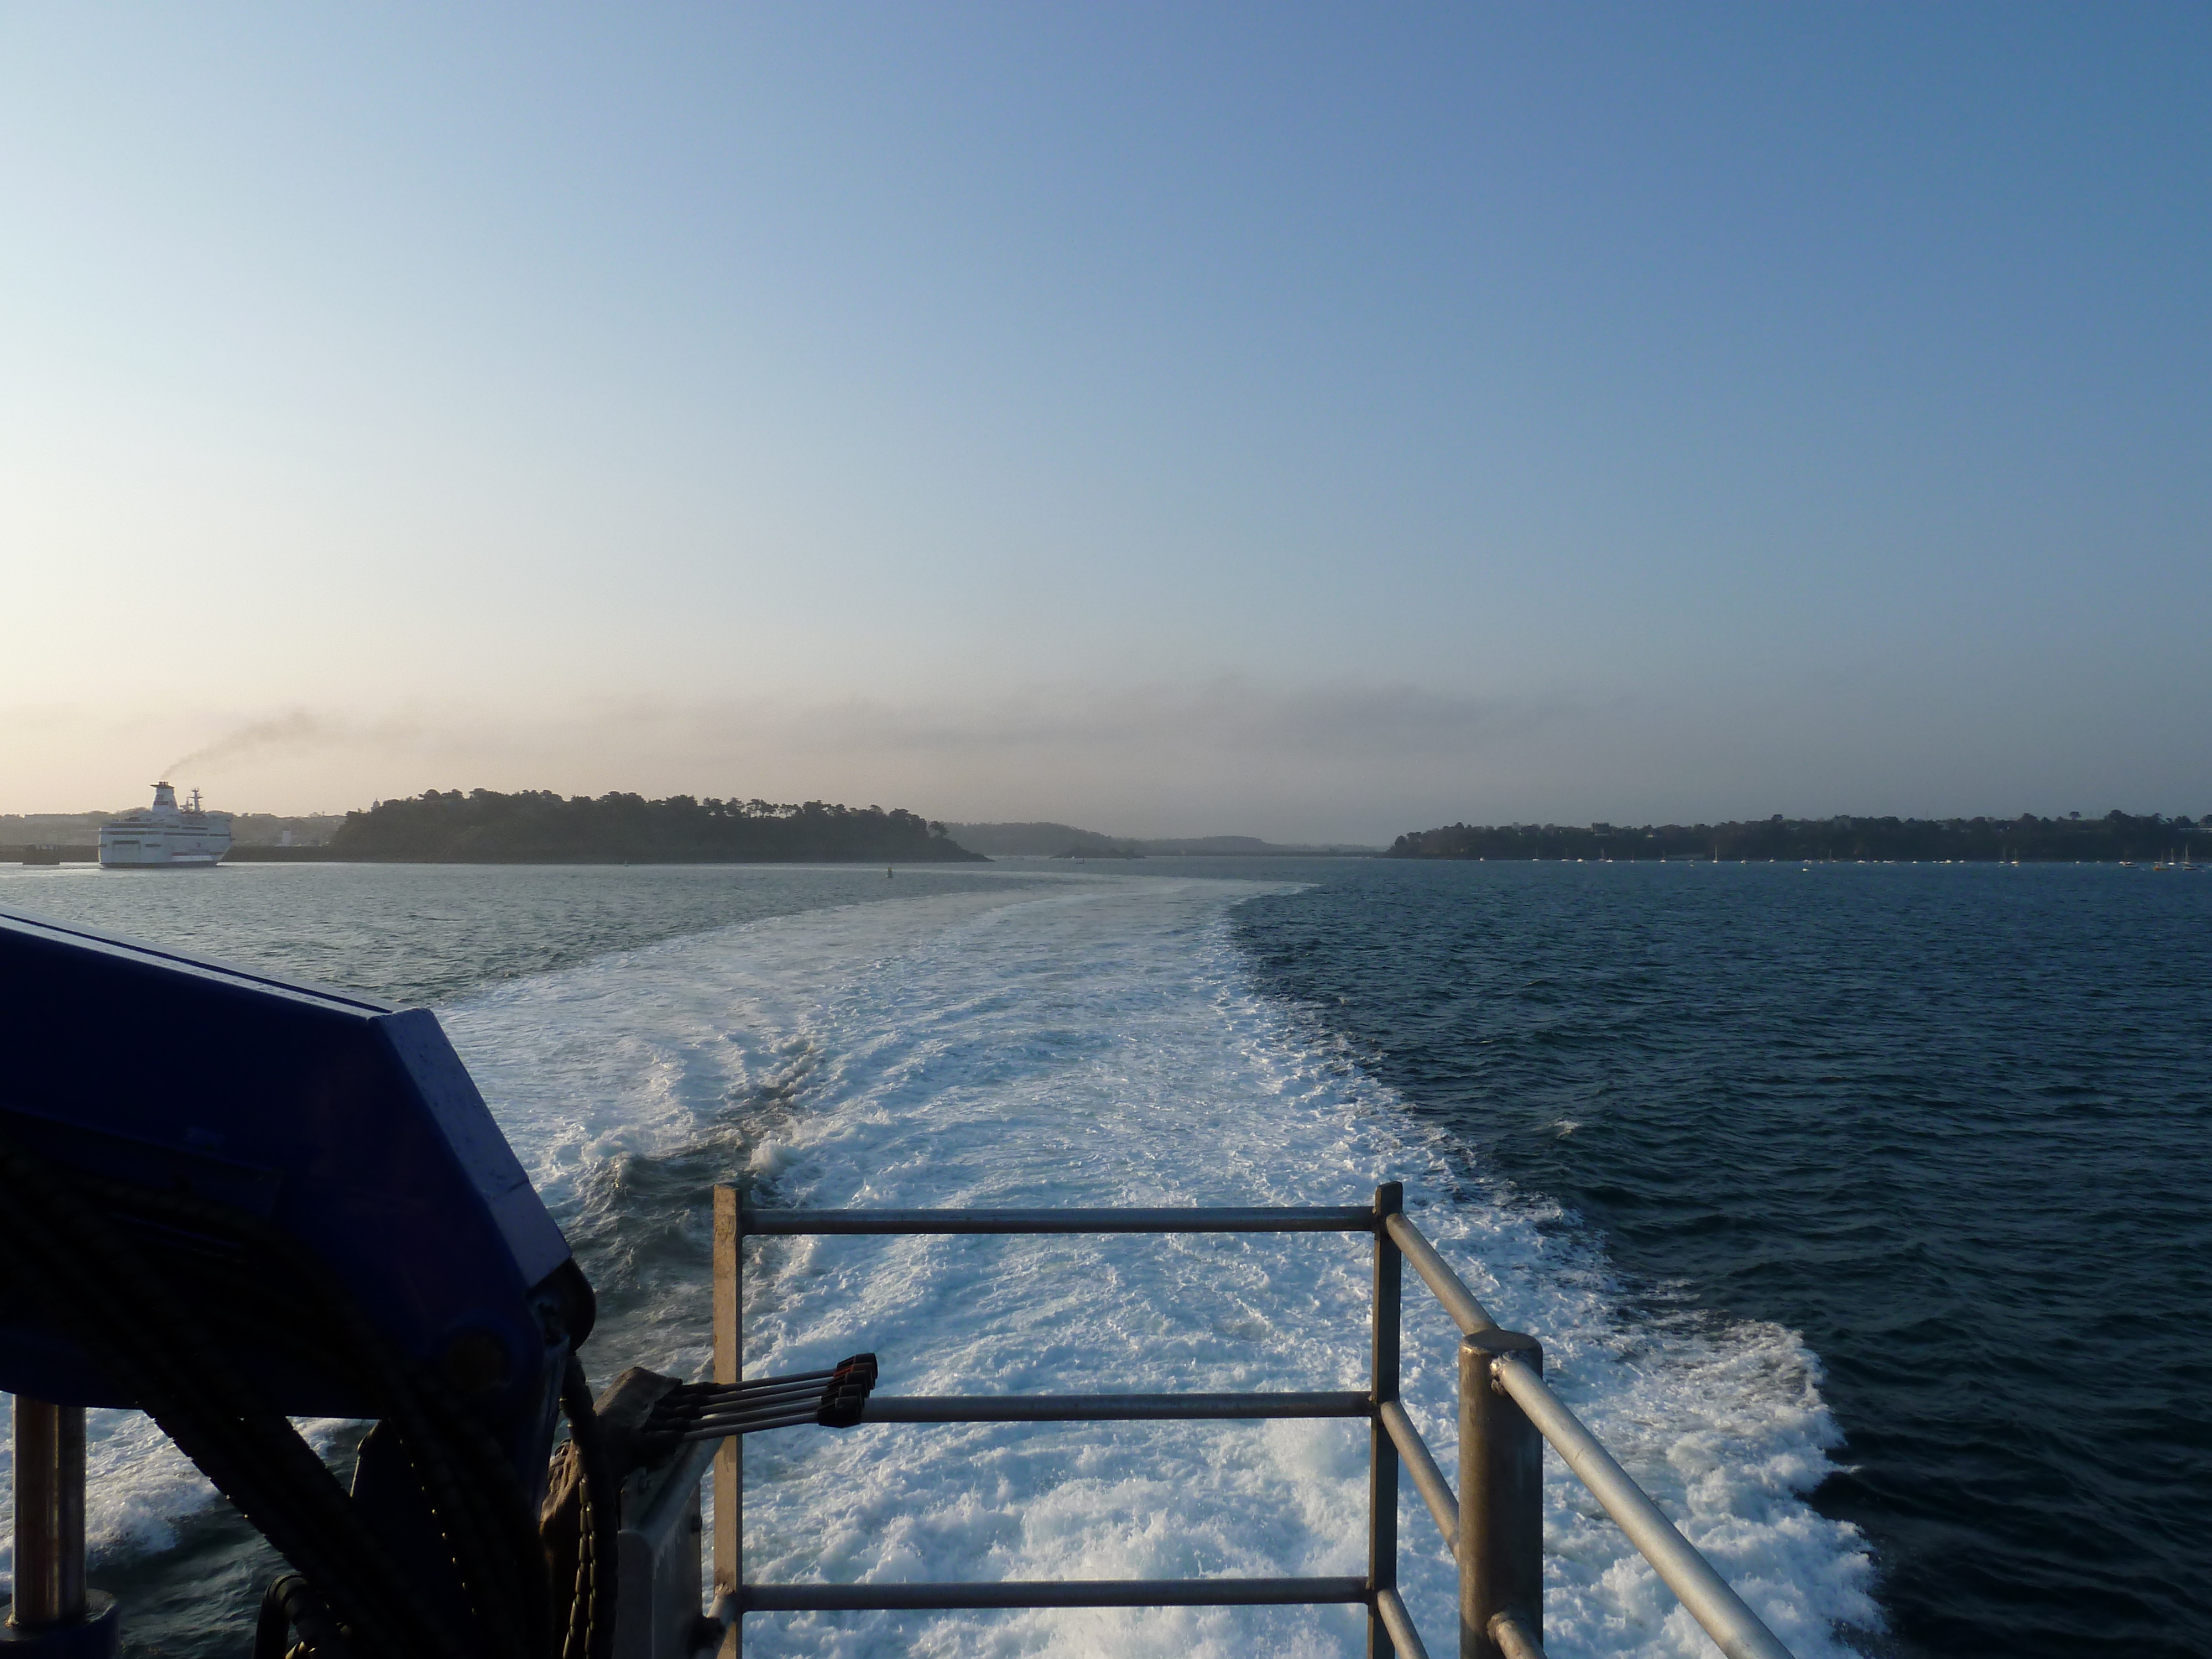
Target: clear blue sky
x: 1304, y: 422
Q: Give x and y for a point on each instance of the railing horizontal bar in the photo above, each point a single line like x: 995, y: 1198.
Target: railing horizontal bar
x: 1513, y: 1638
x: 702, y: 1389
x: 728, y: 1405
x: 730, y: 1427
x: 1107, y: 1408
x: 755, y: 1387
x: 1428, y: 1480
x: 799, y: 1411
x: 1711, y: 1601
x: 1459, y: 1301
x: 731, y: 1431
x: 1399, y: 1624
x: 1339, y: 1219
x: 1071, y: 1593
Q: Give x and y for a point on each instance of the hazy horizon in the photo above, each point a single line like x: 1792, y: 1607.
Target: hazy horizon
x: 1315, y: 424
x: 1110, y: 827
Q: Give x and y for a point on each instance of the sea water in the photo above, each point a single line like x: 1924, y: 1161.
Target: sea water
x: 1180, y: 1034
x: 1951, y: 1125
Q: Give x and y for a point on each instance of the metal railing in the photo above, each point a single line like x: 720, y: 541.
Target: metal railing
x: 1493, y: 1528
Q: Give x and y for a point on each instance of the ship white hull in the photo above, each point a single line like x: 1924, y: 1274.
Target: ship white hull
x: 157, y: 853
x: 165, y: 837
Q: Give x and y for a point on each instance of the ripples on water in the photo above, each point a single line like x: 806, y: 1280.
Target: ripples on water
x: 1944, y: 1127
x: 1952, y: 1124
x: 420, y: 935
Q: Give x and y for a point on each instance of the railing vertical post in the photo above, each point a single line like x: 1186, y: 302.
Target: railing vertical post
x: 729, y: 1367
x: 1501, y: 1499
x: 49, y: 1516
x: 1381, y: 1454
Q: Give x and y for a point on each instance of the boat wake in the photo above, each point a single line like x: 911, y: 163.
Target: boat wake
x: 1097, y: 1042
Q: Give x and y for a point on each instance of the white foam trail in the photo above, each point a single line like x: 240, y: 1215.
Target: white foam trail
x: 1103, y: 1044
x: 1100, y: 1043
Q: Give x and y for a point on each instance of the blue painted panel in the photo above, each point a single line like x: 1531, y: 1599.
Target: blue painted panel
x: 351, y: 1126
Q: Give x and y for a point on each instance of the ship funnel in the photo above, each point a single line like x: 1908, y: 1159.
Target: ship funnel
x: 165, y: 796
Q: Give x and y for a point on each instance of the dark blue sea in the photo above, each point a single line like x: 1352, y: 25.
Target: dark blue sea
x: 1951, y: 1123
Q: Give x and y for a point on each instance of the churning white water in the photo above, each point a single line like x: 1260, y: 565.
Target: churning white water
x: 1103, y: 1045
x: 1096, y: 1043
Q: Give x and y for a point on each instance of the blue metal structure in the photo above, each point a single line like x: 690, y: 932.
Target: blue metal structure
x: 349, y: 1126
x: 143, y: 1090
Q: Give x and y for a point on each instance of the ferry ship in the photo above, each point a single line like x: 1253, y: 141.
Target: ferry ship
x: 165, y: 835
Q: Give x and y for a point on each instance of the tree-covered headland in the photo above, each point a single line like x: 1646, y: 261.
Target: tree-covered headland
x: 2027, y: 838
x: 539, y: 826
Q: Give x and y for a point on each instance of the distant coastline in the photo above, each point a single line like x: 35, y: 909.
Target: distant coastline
x: 482, y: 826
x: 2115, y: 838
x: 79, y: 831
x: 1065, y: 840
